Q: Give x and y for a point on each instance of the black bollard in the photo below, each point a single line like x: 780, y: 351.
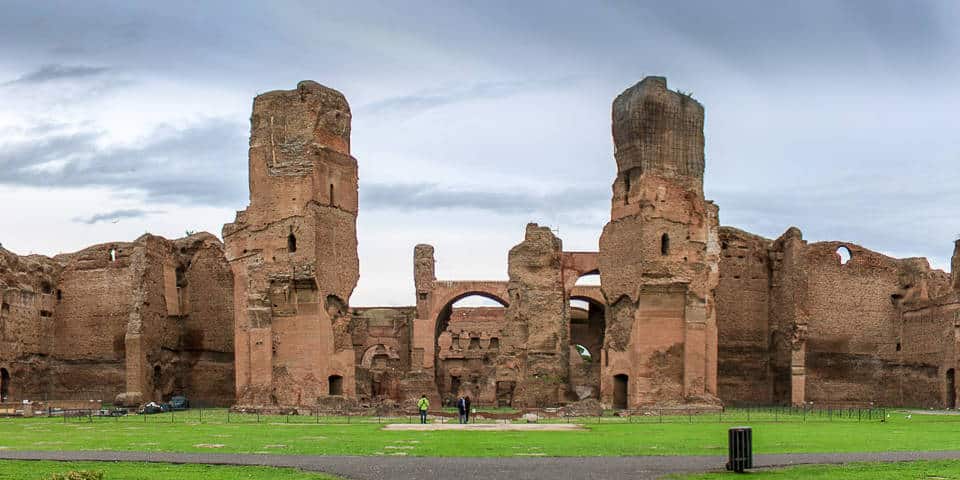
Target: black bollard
x: 740, y: 446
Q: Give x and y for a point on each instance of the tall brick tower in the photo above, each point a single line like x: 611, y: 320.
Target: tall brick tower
x: 659, y: 254
x: 293, y: 251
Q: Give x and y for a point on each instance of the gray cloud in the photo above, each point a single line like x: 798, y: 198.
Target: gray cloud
x: 200, y: 164
x: 48, y: 73
x: 804, y: 102
x: 116, y: 215
x: 425, y: 196
x: 879, y: 213
x: 435, y: 98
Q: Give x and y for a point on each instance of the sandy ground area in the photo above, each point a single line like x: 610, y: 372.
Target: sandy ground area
x: 486, y: 427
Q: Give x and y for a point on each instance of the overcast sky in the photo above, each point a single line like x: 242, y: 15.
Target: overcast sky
x: 471, y: 119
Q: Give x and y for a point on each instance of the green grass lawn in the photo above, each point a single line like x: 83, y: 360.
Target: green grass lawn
x: 704, y: 435
x: 949, y: 469
x: 30, y: 470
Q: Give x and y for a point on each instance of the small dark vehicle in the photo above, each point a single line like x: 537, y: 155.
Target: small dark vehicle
x: 179, y: 402
x: 112, y: 412
x: 151, y: 408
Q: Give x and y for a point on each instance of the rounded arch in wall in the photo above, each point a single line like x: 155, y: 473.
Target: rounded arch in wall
x: 844, y: 254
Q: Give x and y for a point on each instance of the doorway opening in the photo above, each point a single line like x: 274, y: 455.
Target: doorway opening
x: 336, y: 385
x: 951, y: 389
x: 4, y: 384
x: 620, y: 383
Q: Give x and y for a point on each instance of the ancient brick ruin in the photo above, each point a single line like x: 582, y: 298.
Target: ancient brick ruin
x: 686, y: 311
x: 132, y: 321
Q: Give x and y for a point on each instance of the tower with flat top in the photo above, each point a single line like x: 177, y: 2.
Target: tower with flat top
x: 659, y: 254
x: 293, y: 251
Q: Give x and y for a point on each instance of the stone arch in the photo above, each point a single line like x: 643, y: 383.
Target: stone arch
x: 587, y: 331
x: 448, y: 304
x: 376, y: 350
x: 577, y: 265
x: 445, y: 295
x: 844, y: 254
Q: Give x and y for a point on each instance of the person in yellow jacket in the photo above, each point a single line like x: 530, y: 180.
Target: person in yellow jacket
x: 423, y: 405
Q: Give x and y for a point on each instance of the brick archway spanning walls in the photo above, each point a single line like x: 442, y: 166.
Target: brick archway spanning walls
x: 434, y: 299
x: 587, y: 329
x: 576, y: 265
x: 437, y: 309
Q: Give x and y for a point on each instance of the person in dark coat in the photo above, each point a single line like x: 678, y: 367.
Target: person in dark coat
x: 466, y: 409
x: 462, y: 409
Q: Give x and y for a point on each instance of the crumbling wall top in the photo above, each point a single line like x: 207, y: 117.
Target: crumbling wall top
x: 658, y: 130
x: 290, y: 122
x: 955, y: 266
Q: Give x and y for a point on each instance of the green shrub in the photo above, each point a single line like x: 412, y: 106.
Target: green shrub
x: 77, y: 475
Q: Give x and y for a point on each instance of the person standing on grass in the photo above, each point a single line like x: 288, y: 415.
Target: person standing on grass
x: 462, y: 409
x: 423, y: 405
x: 466, y: 409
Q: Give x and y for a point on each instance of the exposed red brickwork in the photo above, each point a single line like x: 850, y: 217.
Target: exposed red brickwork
x: 137, y: 321
x: 687, y: 311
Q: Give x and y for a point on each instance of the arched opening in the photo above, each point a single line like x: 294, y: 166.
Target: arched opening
x: 46, y: 288
x: 4, y: 384
x: 587, y: 331
x: 665, y: 244
x: 332, y: 202
x: 336, y: 385
x: 378, y: 375
x: 113, y: 254
x: 844, y: 254
x: 291, y: 243
x: 463, y: 360
x: 951, y: 389
x: 591, y: 279
x: 584, y: 353
x: 620, y: 384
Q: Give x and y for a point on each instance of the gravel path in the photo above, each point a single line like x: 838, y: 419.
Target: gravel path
x: 436, y: 468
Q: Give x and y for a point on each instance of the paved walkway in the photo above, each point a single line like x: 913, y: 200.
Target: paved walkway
x: 437, y: 468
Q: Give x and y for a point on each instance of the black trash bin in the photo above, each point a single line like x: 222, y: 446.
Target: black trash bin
x: 740, y: 449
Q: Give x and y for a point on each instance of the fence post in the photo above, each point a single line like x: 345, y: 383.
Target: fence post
x: 228, y: 415
x: 258, y: 416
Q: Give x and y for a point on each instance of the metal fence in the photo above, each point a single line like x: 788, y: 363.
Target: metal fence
x: 665, y: 415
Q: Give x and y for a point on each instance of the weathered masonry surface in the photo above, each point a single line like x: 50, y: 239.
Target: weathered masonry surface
x: 685, y: 311
x: 126, y: 321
